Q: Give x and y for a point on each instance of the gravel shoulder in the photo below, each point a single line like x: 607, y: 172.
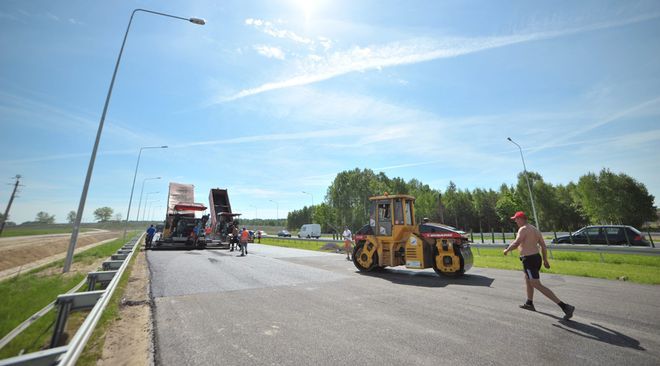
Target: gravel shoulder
x: 128, y: 340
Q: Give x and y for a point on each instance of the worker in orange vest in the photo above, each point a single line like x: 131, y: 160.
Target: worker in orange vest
x: 245, y: 236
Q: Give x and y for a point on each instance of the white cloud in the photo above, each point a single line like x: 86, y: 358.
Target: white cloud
x: 52, y: 16
x: 613, y: 117
x: 410, y: 51
x: 270, y: 51
x: 269, y: 28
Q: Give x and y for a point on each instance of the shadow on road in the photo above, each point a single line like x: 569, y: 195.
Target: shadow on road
x: 596, y: 332
x: 427, y: 279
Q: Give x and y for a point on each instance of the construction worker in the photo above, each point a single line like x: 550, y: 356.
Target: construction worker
x: 234, y: 237
x: 528, y: 240
x: 150, y: 236
x: 348, y: 241
x: 245, y: 236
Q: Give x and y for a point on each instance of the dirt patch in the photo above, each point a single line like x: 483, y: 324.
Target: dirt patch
x: 18, y: 251
x: 332, y: 247
x: 128, y: 339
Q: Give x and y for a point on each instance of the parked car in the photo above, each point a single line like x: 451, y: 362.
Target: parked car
x: 284, y: 234
x: 310, y: 231
x: 605, y: 235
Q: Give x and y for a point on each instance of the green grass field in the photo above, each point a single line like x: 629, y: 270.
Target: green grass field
x: 24, y: 295
x: 637, y: 268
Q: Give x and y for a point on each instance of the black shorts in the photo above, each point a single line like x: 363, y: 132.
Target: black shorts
x: 532, y: 266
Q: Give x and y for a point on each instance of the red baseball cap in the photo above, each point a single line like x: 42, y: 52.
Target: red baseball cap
x: 518, y: 215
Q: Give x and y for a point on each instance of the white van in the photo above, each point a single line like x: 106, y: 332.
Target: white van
x: 310, y: 231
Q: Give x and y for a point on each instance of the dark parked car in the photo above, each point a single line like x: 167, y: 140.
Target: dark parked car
x: 605, y: 235
x: 284, y: 234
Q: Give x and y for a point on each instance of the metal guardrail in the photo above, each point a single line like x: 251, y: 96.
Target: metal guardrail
x: 21, y: 327
x: 611, y: 249
x: 96, y: 300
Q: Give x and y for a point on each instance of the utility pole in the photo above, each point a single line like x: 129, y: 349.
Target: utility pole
x: 11, y: 200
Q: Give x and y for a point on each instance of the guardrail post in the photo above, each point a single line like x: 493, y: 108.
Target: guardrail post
x: 471, y: 236
x: 651, y: 239
x: 62, y: 316
x: 570, y: 235
x: 588, y: 238
x: 607, y: 239
x: 492, y: 237
x: 482, y: 237
x: 555, y: 233
x: 625, y: 232
x: 503, y: 237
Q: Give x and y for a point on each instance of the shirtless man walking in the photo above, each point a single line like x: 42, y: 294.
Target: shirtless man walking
x: 528, y: 240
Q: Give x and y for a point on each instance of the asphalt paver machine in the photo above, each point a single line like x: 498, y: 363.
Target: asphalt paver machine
x: 182, y: 228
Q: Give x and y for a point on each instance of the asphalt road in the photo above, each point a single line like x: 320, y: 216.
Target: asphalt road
x: 280, y: 306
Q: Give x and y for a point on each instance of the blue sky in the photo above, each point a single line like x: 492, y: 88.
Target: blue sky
x: 273, y: 98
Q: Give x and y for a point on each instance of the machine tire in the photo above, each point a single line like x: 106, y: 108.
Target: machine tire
x: 356, y: 252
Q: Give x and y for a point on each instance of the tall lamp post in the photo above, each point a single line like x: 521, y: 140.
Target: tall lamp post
x: 137, y: 165
x: 277, y: 208
x: 312, y: 204
x: 90, y: 168
x: 145, y: 205
x: 146, y: 217
x: 141, y: 192
x: 529, y: 186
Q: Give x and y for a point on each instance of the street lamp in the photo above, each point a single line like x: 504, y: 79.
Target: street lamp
x: 529, y: 187
x: 151, y: 211
x: 142, y: 191
x: 146, y: 217
x: 277, y: 207
x: 145, y: 205
x: 312, y: 204
x: 90, y: 168
x: 130, y: 200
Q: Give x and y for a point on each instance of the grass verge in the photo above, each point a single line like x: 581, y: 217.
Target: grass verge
x: 637, y: 268
x: 24, y: 295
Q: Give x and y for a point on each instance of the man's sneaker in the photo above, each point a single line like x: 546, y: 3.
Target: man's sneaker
x: 528, y: 307
x: 569, y: 311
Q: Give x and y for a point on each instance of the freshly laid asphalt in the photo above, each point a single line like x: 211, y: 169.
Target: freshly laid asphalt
x: 281, y: 306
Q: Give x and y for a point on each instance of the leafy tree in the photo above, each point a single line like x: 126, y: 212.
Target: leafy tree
x: 297, y: 218
x: 103, y: 214
x: 507, y: 204
x: 71, y: 217
x: 326, y: 216
x: 44, y: 218
x: 459, y: 207
x: 614, y: 198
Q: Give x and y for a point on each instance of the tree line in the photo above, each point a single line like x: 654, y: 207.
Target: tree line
x: 101, y: 214
x: 603, y: 198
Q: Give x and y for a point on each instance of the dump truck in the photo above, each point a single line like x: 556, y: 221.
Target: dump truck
x: 222, y: 219
x: 393, y: 238
x: 182, y: 228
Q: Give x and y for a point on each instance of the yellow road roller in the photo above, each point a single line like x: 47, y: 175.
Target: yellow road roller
x: 393, y: 238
